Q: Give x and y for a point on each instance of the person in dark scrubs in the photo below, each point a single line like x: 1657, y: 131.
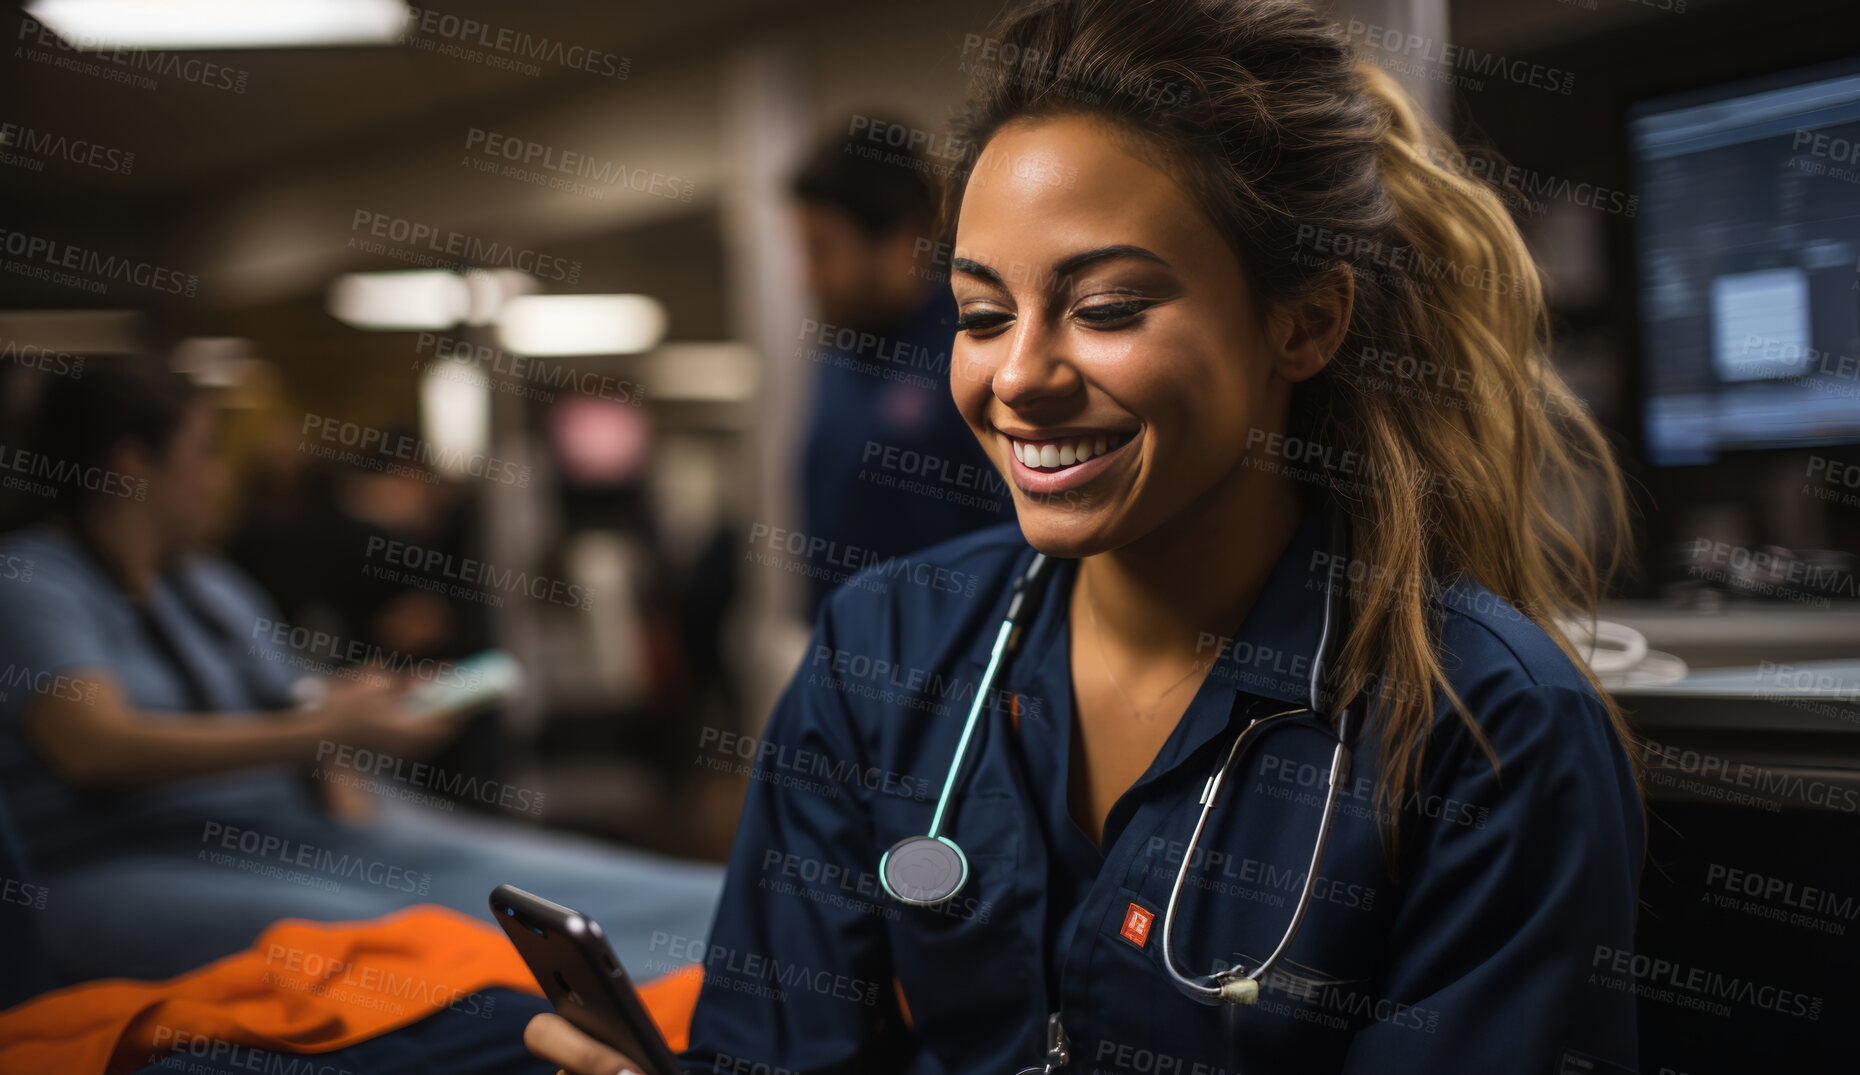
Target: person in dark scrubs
x: 1178, y: 355
x: 889, y: 466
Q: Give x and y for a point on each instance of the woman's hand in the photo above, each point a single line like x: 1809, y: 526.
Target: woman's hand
x: 553, y: 1038
x: 369, y: 713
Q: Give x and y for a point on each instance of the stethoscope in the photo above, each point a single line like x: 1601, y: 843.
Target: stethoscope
x: 927, y: 870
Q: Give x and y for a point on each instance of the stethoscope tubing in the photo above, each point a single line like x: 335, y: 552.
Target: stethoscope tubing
x: 1237, y: 986
x: 1028, y: 587
x: 968, y: 728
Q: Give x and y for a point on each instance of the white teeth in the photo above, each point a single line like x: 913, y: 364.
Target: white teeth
x: 1053, y: 455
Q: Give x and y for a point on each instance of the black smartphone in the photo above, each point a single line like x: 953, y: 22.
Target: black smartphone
x: 569, y: 955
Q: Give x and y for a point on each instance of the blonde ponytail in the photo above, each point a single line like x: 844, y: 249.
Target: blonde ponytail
x: 1516, y: 489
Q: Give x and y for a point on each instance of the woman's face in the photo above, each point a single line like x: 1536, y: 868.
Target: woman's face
x: 1100, y: 308
x: 186, y: 483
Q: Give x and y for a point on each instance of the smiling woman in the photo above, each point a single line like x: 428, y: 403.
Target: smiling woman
x: 1228, y: 273
x: 1178, y: 355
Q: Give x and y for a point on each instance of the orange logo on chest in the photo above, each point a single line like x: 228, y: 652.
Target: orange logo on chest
x: 1136, y: 925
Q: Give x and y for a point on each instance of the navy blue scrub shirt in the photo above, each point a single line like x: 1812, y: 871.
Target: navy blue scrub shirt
x: 1490, y: 956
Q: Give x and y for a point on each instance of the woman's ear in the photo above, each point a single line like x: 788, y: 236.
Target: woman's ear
x: 1309, y: 329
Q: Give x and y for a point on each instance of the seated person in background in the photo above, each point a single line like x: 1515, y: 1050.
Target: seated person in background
x: 155, y: 761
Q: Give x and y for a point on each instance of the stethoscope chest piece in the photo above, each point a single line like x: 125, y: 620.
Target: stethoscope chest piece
x: 927, y: 870
x: 924, y: 870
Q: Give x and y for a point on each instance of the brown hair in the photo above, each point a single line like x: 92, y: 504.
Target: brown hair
x: 1478, y: 459
x: 78, y: 421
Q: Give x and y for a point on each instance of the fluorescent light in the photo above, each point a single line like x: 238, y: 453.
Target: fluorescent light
x: 400, y: 301
x: 491, y: 288
x: 455, y: 415
x: 94, y: 25
x: 215, y: 361
x: 581, y: 324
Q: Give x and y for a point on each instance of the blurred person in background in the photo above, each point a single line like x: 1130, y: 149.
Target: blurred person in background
x: 153, y: 754
x: 304, y: 530
x: 305, y: 525
x: 882, y: 343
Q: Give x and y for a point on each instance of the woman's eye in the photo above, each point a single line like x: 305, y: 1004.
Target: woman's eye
x: 1111, y: 313
x: 981, y: 322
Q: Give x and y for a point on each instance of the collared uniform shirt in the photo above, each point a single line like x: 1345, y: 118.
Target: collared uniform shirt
x: 1481, y: 944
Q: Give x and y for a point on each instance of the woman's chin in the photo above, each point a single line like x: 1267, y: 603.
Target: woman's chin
x: 1064, y: 532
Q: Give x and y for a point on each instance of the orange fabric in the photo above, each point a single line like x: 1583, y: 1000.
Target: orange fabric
x: 303, y: 987
x: 904, y: 1006
x: 670, y: 999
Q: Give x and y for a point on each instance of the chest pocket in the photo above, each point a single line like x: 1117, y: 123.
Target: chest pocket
x: 966, y: 967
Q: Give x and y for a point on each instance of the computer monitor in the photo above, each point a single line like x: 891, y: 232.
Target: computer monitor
x: 1748, y: 257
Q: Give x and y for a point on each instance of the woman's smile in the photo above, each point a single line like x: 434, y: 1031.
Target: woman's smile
x: 1050, y: 462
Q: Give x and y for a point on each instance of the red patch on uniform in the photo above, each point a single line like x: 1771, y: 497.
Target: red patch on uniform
x: 1136, y: 925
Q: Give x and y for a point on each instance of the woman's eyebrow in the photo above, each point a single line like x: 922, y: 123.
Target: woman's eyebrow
x: 1066, y: 266
x: 1074, y: 262
x: 977, y: 269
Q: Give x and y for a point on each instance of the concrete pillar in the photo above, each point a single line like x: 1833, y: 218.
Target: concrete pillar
x: 765, y: 131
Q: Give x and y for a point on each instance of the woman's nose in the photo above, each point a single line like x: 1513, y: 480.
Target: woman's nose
x: 1034, y: 365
